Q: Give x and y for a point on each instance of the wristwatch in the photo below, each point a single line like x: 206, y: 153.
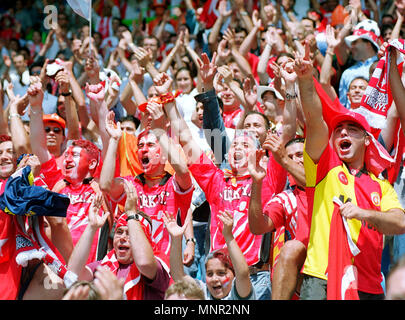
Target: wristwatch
x: 290, y: 96
x: 192, y: 240
x: 133, y: 216
x: 66, y: 94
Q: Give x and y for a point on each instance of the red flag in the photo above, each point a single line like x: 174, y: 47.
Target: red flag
x: 210, y: 13
x: 342, y: 274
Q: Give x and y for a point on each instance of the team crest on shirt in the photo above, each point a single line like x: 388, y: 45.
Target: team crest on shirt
x: 375, y: 198
x: 342, y: 178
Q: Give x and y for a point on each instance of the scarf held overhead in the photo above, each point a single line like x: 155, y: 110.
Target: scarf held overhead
x: 377, y: 98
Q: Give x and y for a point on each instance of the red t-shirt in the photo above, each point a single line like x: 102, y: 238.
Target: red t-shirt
x: 163, y: 197
x: 222, y: 194
x: 80, y: 200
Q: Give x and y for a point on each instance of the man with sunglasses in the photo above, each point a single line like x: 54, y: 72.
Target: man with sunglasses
x: 54, y: 127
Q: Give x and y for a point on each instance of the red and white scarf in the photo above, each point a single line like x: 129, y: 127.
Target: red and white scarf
x: 32, y: 243
x: 377, y: 98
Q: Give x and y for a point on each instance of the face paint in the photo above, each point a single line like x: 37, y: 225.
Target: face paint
x: 75, y: 164
x: 226, y: 282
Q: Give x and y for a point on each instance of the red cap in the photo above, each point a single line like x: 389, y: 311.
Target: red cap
x: 54, y: 118
x: 350, y: 116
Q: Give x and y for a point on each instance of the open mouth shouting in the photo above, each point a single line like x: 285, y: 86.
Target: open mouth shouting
x: 344, y: 146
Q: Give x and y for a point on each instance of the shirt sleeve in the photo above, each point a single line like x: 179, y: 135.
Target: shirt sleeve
x: 207, y: 176
x: 389, y: 197
x: 50, y: 173
x: 275, y: 211
x: 159, y: 285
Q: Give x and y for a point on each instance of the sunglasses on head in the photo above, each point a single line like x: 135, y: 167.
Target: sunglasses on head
x: 55, y: 129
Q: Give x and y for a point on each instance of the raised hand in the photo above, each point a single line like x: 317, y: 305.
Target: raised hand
x: 223, y: 51
x: 226, y: 73
x: 330, y: 37
x: 113, y: 129
x: 95, y: 92
x: 143, y: 56
x: 257, y: 22
x: 171, y: 225
x: 92, y: 67
x: 256, y: 171
x: 157, y: 114
x: 132, y: 197
x: 62, y: 78
x: 229, y: 35
x: 96, y: 220
x: 227, y: 219
x: 207, y: 68
x: 222, y: 9
x: 274, y: 144
x: 35, y: 95
x: 303, y: 64
x: 287, y: 72
x: 250, y: 93
x: 270, y: 12
x: 137, y: 72
x: 163, y: 83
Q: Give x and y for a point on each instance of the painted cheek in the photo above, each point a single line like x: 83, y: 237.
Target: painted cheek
x: 226, y: 282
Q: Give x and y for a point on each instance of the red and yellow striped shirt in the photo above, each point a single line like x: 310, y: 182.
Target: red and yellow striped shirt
x: 328, y: 178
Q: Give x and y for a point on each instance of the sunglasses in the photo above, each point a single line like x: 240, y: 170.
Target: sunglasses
x: 55, y: 129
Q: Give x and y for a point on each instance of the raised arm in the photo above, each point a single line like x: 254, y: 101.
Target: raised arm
x: 258, y: 222
x: 397, y: 87
x: 396, y: 32
x: 98, y: 110
x: 179, y: 127
x: 326, y: 69
x: 72, y: 119
x: 37, y: 131
x: 141, y: 248
x: 241, y: 268
x: 19, y: 136
x: 108, y: 183
x: 212, y: 120
x: 251, y: 39
x: 169, y: 148
x: 291, y: 101
x: 176, y: 234
x: 216, y: 28
x: 81, y: 251
x: 316, y: 127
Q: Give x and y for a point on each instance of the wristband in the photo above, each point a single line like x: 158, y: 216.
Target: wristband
x: 162, y: 99
x: 12, y: 115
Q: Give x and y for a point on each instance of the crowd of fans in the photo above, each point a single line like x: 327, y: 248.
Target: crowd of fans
x: 192, y: 142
